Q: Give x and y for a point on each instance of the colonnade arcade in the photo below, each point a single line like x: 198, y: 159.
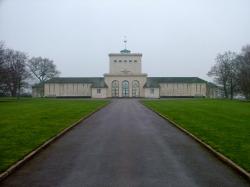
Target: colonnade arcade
x: 115, y: 85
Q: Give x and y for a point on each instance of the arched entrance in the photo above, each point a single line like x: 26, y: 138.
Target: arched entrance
x: 135, y: 88
x: 125, y: 88
x: 115, y: 88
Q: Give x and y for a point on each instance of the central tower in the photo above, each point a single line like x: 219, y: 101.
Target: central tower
x: 124, y: 63
x: 125, y: 77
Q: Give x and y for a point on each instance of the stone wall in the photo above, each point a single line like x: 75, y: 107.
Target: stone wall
x: 182, y: 89
x: 213, y: 92
x: 152, y: 92
x: 67, y: 90
x: 129, y: 62
x: 101, y: 94
x: 165, y: 90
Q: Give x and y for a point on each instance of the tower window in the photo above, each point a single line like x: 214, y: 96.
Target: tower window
x: 135, y: 60
x: 115, y: 60
x: 120, y: 60
x: 130, y: 60
x: 125, y: 60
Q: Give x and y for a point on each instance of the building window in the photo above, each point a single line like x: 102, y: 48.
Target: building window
x: 125, y: 60
x: 152, y: 90
x: 135, y: 88
x: 99, y: 90
x: 125, y: 89
x: 130, y: 60
x: 120, y: 60
x: 135, y: 60
x: 115, y: 60
x: 115, y: 88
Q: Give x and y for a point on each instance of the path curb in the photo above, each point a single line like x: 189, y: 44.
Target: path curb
x: 223, y: 158
x: 30, y: 155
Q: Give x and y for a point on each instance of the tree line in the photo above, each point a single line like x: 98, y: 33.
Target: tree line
x: 232, y: 72
x: 17, y: 71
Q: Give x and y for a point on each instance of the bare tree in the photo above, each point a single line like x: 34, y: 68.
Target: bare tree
x: 42, y: 69
x: 16, y: 71
x: 3, y: 72
x: 243, y: 62
x: 1, y: 53
x: 245, y: 49
x: 225, y: 72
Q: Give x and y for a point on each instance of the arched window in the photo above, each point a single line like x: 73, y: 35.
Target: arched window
x: 125, y: 89
x: 135, y: 88
x: 115, y: 88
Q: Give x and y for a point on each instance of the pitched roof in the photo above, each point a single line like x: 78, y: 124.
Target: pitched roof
x: 97, y: 82
x: 154, y: 82
x: 212, y: 85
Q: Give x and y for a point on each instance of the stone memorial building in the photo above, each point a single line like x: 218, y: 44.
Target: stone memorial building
x: 126, y: 79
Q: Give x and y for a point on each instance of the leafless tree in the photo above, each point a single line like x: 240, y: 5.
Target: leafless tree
x: 245, y: 49
x: 1, y: 53
x: 16, y: 71
x: 243, y: 62
x: 225, y: 72
x: 42, y: 69
x: 2, y: 69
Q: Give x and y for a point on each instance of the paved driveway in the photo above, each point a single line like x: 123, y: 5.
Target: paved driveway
x: 125, y: 144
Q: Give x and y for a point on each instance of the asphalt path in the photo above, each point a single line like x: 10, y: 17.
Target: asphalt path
x: 125, y: 144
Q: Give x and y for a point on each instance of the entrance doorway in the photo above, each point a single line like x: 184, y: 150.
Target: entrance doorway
x: 115, y: 88
x: 125, y: 89
x: 135, y: 88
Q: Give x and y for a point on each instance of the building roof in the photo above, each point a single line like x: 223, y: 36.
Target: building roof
x: 125, y: 54
x: 97, y: 82
x: 125, y: 51
x: 153, y: 82
x: 212, y: 85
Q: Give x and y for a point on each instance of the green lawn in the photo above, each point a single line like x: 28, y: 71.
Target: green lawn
x: 223, y: 124
x: 27, y: 123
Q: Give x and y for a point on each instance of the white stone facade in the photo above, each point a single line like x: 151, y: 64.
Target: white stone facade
x: 120, y: 64
x: 99, y: 93
x: 183, y: 89
x: 67, y: 89
x: 152, y: 92
x: 122, y: 78
x: 126, y: 79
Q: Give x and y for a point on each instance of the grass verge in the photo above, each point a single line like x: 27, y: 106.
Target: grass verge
x: 27, y: 123
x: 223, y: 124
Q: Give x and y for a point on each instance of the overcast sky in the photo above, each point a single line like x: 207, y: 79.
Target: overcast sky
x: 176, y: 37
